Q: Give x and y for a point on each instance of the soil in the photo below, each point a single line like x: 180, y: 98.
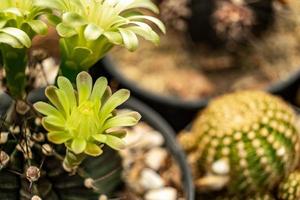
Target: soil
x: 137, y: 159
x: 174, y: 68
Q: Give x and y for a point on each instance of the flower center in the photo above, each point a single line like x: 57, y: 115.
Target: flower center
x: 87, y: 108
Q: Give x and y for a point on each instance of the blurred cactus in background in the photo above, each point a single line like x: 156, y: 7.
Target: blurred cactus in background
x: 247, y: 140
x: 289, y: 189
x: 253, y: 197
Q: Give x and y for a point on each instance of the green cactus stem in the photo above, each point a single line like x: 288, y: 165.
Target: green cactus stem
x: 15, y: 62
x: 249, y: 137
x: 289, y: 188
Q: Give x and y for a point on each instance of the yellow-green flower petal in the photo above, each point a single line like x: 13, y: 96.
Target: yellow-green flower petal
x: 93, y: 150
x: 130, y: 40
x: 50, y: 127
x: 53, y: 98
x: 92, y: 32
x: 119, y: 133
x: 113, y: 102
x: 100, y: 137
x: 47, y: 109
x: 58, y: 137
x: 115, y: 142
x: 65, y: 85
x: 84, y: 86
x: 125, y: 119
x: 78, y: 145
x: 98, y: 91
x: 54, y: 121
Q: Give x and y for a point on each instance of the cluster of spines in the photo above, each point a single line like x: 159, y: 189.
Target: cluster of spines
x: 253, y: 197
x: 248, y: 136
x: 289, y: 188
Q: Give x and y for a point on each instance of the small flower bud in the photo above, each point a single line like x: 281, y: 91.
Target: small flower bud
x: 22, y: 108
x: 47, y: 150
x: 35, y: 197
x: 4, y: 159
x: 3, y: 137
x: 33, y: 173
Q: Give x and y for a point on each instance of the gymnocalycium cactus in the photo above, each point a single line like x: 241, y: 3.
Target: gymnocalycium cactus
x: 76, y: 158
x: 289, y: 188
x: 83, y: 124
x: 248, y: 137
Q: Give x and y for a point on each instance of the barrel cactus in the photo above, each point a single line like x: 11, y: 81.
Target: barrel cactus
x: 289, y: 188
x: 248, y: 137
x: 253, y: 197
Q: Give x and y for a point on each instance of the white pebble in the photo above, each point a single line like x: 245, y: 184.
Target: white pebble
x: 167, y: 193
x: 150, y: 180
x: 51, y: 69
x: 151, y: 139
x: 155, y: 157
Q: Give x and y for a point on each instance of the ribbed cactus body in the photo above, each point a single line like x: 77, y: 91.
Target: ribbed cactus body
x: 57, y: 184
x: 289, y: 188
x: 249, y: 137
x: 254, y: 197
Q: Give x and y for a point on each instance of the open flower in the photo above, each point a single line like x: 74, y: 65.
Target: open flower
x: 85, y: 121
x: 90, y: 28
x: 19, y: 22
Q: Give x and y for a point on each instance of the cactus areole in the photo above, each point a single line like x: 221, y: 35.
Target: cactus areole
x: 249, y: 137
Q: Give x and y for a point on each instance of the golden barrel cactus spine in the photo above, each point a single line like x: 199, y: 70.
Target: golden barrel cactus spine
x: 249, y: 137
x: 289, y: 188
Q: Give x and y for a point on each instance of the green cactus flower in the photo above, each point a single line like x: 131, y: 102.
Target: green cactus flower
x: 289, y: 188
x: 249, y: 137
x: 90, y: 28
x: 85, y: 121
x: 19, y: 22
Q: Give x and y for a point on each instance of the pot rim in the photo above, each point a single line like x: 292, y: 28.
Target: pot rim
x: 110, y: 66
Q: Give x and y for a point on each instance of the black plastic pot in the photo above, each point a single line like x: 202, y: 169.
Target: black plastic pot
x: 149, y: 116
x: 178, y: 112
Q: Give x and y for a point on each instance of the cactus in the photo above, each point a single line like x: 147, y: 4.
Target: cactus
x: 248, y: 137
x: 83, y: 123
x: 253, y: 197
x: 289, y: 188
x: 70, y: 153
